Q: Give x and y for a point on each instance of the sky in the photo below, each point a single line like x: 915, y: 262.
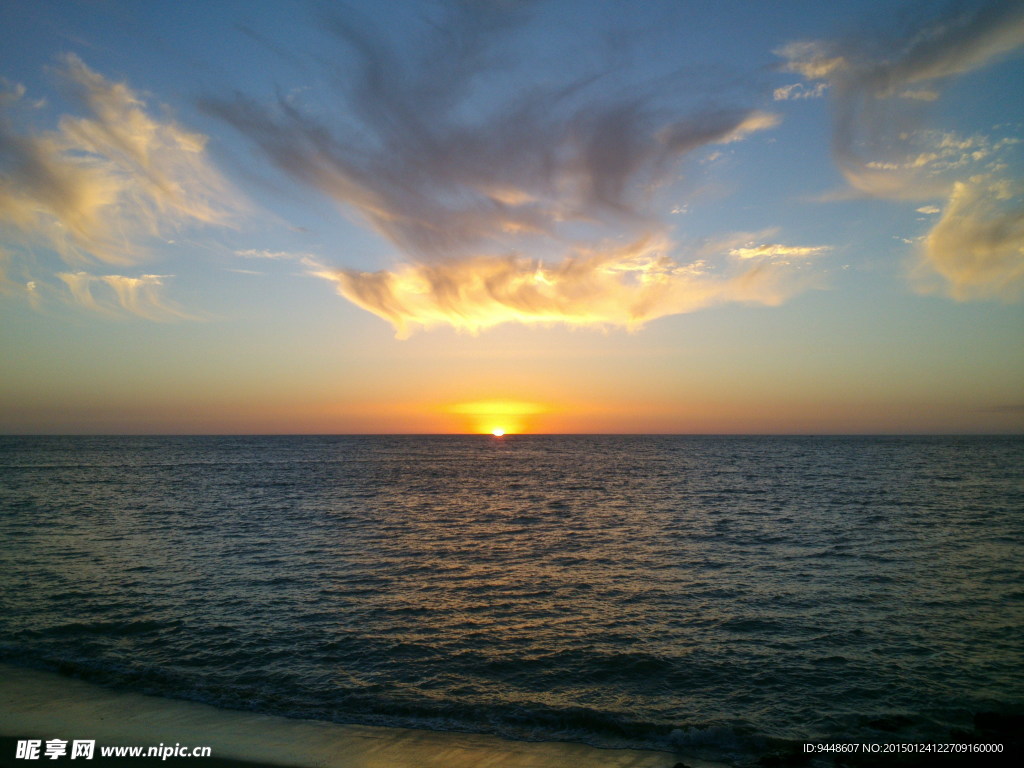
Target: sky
x: 574, y: 216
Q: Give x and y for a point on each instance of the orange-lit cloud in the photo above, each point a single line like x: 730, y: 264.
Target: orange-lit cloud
x: 99, y: 186
x: 813, y: 59
x: 624, y: 286
x: 977, y: 246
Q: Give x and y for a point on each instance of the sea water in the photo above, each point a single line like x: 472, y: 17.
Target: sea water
x: 682, y: 593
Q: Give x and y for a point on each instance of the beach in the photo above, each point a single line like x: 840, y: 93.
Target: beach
x: 45, y: 705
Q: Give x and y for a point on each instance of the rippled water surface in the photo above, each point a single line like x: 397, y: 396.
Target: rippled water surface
x: 654, y: 591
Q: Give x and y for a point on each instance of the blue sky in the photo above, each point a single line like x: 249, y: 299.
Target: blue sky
x: 562, y: 216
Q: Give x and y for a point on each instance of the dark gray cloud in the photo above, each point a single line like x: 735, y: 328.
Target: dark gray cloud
x: 462, y: 177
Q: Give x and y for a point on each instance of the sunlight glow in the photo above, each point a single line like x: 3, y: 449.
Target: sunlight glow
x: 498, y: 407
x: 496, y: 416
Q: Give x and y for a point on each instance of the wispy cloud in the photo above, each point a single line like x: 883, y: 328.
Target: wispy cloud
x: 939, y: 48
x: 796, y: 91
x: 813, y: 59
x: 119, y: 294
x: 977, y: 246
x: 99, y: 186
x: 778, y: 251
x: 258, y: 253
x: 464, y: 192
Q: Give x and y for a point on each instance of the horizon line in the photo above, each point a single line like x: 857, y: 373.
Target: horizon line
x: 512, y: 434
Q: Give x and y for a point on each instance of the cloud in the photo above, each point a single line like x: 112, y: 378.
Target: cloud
x: 864, y: 80
x: 465, y: 188
x: 99, y: 186
x: 442, y: 190
x: 812, y: 59
x: 938, y: 49
x: 624, y: 286
x: 951, y: 46
x: 777, y: 251
x: 799, y: 91
x: 976, y: 246
x: 15, y: 280
x: 920, y: 95
x: 254, y: 253
x: 754, y: 121
x: 32, y: 291
x: 118, y: 294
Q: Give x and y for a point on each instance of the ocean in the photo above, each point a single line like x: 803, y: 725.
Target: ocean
x: 706, y: 595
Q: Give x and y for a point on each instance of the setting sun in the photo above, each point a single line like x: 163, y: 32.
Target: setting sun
x: 496, y: 417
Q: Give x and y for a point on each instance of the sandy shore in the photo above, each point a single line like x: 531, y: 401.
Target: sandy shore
x: 47, y: 706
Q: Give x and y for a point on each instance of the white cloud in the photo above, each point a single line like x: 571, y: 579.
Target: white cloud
x: 778, y: 251
x: 799, y: 91
x: 255, y: 253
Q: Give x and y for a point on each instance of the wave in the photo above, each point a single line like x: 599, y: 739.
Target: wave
x: 736, y: 743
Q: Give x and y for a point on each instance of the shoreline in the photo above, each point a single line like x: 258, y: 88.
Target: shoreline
x: 46, y: 705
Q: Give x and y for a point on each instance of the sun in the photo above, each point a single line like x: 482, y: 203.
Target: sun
x: 498, y: 432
